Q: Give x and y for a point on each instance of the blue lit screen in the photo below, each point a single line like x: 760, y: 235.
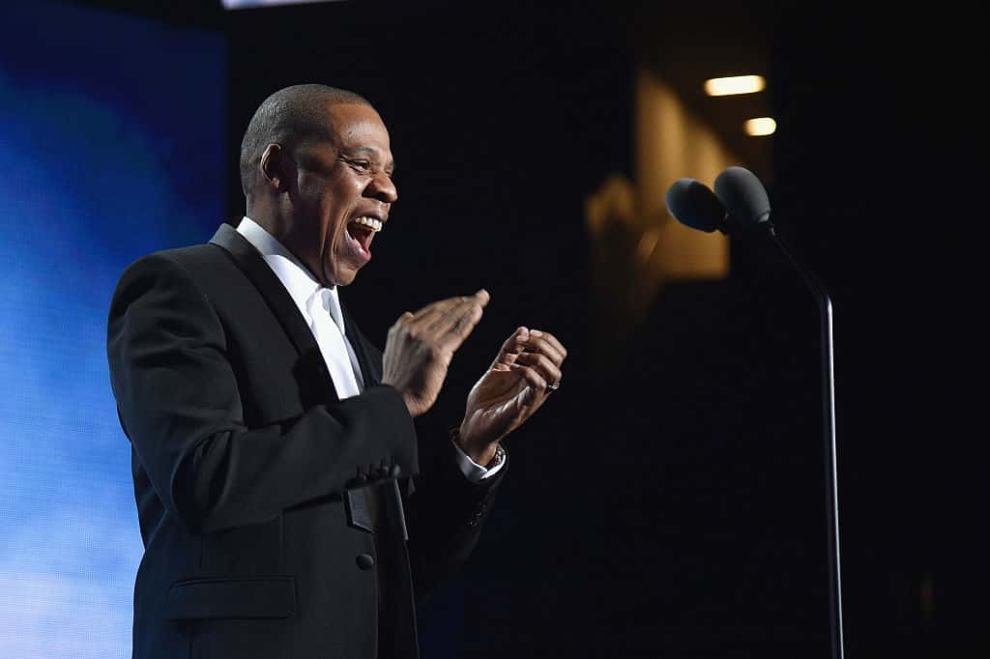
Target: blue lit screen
x: 112, y: 146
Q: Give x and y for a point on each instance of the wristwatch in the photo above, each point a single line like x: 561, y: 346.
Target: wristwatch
x: 498, y: 459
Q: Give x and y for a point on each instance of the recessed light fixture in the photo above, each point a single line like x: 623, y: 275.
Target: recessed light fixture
x: 735, y: 85
x: 760, y: 126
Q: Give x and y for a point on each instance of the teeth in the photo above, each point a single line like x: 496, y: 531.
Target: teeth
x: 371, y: 222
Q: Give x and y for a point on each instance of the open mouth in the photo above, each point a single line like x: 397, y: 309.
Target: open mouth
x: 361, y: 231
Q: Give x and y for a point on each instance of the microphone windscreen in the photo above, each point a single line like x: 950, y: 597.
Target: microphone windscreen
x: 692, y: 203
x: 743, y: 195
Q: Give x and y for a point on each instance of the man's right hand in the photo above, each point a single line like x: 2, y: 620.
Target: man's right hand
x: 420, y: 346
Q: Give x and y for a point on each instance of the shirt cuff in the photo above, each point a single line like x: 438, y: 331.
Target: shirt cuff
x: 473, y: 471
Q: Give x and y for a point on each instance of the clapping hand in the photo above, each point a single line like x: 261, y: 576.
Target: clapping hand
x: 525, y: 372
x: 420, y: 346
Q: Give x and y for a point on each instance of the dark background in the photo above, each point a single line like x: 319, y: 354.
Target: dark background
x: 672, y: 504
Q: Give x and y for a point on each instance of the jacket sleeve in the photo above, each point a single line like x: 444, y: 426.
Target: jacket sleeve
x: 179, y: 404
x: 445, y: 515
x: 445, y: 512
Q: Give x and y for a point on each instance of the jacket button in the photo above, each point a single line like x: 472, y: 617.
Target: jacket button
x: 365, y: 561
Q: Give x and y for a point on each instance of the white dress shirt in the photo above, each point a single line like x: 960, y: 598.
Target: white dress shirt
x: 320, y: 308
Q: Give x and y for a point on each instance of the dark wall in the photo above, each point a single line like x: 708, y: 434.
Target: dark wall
x: 878, y: 174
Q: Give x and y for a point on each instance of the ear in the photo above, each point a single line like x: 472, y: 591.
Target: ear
x: 273, y: 167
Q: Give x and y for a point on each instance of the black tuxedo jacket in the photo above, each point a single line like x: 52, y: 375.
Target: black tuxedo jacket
x: 271, y: 511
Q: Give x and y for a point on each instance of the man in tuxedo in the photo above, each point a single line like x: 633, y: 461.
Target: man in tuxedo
x: 285, y: 507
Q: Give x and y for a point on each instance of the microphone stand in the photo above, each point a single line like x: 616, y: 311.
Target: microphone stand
x: 831, y: 473
x: 742, y: 191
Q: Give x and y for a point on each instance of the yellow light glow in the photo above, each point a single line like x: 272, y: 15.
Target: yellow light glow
x: 735, y: 85
x: 761, y: 126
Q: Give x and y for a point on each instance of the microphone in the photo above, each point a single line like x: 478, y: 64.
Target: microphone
x: 693, y: 204
x: 739, y: 201
x: 744, y: 196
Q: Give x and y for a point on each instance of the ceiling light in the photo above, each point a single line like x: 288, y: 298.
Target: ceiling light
x: 735, y: 85
x: 760, y: 126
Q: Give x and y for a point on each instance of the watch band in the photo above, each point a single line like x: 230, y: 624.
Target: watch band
x: 496, y: 460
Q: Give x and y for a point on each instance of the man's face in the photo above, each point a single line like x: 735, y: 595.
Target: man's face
x: 342, y: 194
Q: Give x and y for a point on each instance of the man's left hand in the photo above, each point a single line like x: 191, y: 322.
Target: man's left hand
x: 525, y: 372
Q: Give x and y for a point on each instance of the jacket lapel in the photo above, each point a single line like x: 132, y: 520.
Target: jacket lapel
x: 370, y: 368
x: 250, y: 262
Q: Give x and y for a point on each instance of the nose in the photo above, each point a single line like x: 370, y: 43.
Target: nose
x: 383, y: 189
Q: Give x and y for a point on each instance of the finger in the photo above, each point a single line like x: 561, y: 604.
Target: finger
x: 532, y: 377
x: 455, y: 334
x: 445, y: 321
x: 442, y: 306
x: 432, y: 321
x: 513, y: 346
x: 432, y: 314
x: 454, y: 326
x: 540, y: 344
x: 558, y: 346
x: 403, y: 319
x: 546, y: 368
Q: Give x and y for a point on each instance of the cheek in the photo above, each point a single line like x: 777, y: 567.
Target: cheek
x: 335, y: 203
x: 330, y: 213
x: 335, y: 239
x: 336, y: 210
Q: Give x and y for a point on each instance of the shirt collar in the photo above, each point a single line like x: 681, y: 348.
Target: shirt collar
x: 298, y: 281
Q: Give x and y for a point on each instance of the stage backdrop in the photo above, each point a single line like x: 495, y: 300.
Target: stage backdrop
x: 111, y: 139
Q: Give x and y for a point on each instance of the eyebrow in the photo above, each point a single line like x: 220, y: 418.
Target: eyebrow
x: 371, y: 152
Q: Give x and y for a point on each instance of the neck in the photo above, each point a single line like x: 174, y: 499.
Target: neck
x: 279, y: 226
x: 269, y: 219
